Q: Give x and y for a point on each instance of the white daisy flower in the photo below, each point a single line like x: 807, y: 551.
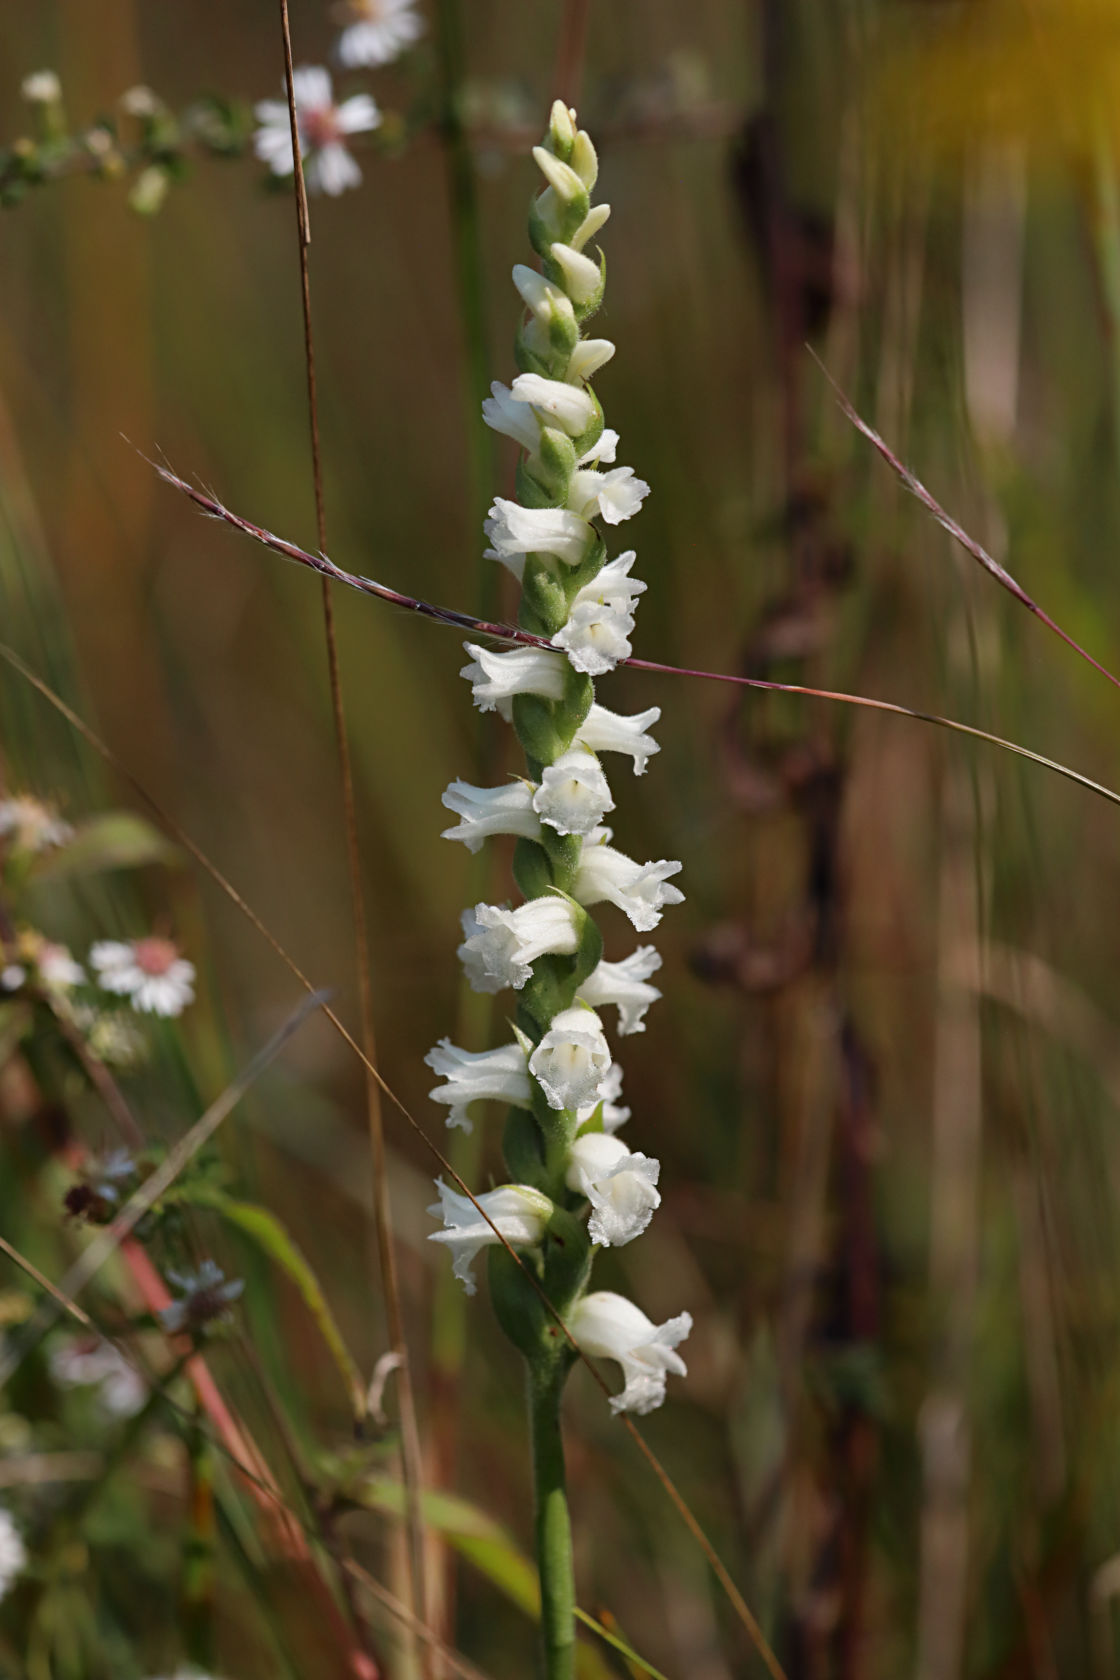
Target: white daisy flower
x: 88, y: 1362
x: 13, y: 1552
x: 56, y: 968
x: 376, y: 31
x: 30, y: 826
x: 42, y: 87
x: 328, y: 166
x: 149, y: 972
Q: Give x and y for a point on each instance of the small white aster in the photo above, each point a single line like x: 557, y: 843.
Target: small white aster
x: 89, y: 1362
x: 30, y: 826
x: 42, y: 87
x: 323, y: 125
x: 149, y: 972
x: 376, y: 31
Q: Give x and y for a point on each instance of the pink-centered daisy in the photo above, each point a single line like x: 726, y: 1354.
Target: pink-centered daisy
x: 149, y: 972
x: 323, y: 127
x: 376, y: 31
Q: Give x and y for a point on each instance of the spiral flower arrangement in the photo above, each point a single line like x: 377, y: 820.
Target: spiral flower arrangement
x: 575, y: 1185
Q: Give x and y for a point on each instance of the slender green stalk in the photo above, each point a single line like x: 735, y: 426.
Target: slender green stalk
x: 553, y: 1529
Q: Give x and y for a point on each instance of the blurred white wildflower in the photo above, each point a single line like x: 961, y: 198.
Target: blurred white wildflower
x: 13, y: 1552
x: 88, y: 1362
x: 206, y: 1297
x: 609, y: 1326
x: 323, y: 125
x: 42, y: 87
x: 149, y: 972
x: 31, y: 826
x: 113, y: 1037
x: 57, y: 969
x: 376, y: 31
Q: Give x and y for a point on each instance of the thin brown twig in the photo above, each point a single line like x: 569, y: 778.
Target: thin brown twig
x: 960, y: 536
x: 509, y: 633
x: 205, y: 863
x: 411, y: 1462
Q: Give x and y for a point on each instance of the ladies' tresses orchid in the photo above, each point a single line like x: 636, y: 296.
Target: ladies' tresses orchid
x: 486, y: 811
x: 520, y: 1214
x: 495, y: 678
x: 605, y: 731
x: 572, y: 1059
x: 573, y: 794
x: 640, y: 890
x: 478, y: 1076
x: 514, y: 530
x: 500, y: 946
x: 625, y: 984
x: 608, y: 1326
x: 585, y: 1187
x: 620, y: 1185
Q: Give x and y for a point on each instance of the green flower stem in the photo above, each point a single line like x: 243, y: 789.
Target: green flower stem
x: 552, y: 1525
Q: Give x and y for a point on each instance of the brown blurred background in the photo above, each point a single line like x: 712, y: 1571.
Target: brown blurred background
x: 883, y: 1081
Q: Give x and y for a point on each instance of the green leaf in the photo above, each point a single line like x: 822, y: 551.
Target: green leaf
x: 270, y: 1236
x: 113, y: 840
